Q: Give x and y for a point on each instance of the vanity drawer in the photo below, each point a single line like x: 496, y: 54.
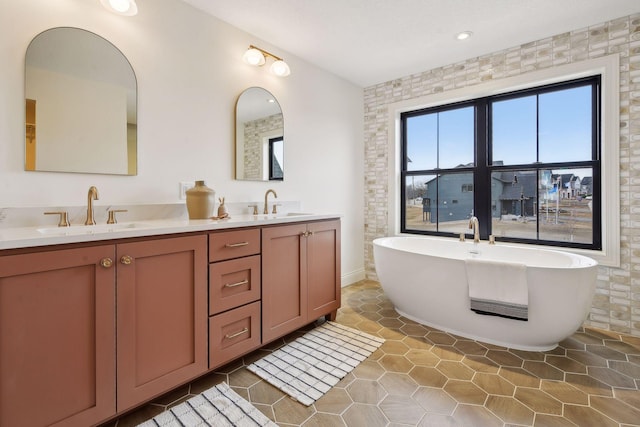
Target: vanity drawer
x: 233, y: 283
x: 233, y: 333
x: 233, y: 244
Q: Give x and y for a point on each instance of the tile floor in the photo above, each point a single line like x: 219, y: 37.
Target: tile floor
x: 423, y: 377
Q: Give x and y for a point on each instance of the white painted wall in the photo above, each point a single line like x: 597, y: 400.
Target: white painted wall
x: 190, y: 73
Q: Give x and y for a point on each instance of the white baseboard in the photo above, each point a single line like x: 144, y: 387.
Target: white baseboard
x: 353, y: 277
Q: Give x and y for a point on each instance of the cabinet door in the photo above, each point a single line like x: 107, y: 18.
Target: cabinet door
x: 57, y: 338
x: 162, y: 316
x: 284, y: 280
x: 323, y: 269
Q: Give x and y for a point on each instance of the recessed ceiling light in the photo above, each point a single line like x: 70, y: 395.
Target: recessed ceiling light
x: 121, y: 7
x: 464, y: 35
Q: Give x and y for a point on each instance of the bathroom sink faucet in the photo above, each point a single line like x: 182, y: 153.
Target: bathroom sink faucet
x: 473, y: 225
x: 93, y: 195
x: 266, y: 195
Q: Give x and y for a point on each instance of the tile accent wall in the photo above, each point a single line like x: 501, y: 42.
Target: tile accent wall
x: 254, y: 132
x: 616, y: 305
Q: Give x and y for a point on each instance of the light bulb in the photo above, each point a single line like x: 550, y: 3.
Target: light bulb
x: 280, y: 68
x: 464, y: 35
x: 121, y: 7
x: 253, y: 57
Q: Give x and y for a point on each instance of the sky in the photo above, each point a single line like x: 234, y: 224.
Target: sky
x: 445, y: 139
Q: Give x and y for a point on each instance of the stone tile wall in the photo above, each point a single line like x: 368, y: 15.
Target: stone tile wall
x: 254, y: 132
x: 617, y: 302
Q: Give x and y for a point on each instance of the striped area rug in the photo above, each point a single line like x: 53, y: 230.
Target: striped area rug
x: 219, y: 406
x: 309, y: 366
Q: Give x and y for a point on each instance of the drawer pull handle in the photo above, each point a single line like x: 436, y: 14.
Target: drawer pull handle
x: 237, y: 334
x: 233, y: 285
x: 106, y: 262
x: 236, y: 245
x: 126, y: 259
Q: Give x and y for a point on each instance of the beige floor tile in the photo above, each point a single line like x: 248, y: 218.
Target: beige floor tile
x: 427, y: 376
x: 324, y: 420
x: 616, y: 410
x: 586, y: 416
x: 538, y: 401
x: 509, y: 410
x: 366, y: 391
x: 472, y: 415
x: 289, y: 411
x: 402, y: 410
x: 465, y: 392
x: 435, y: 400
x: 361, y: 415
x: 335, y: 401
x: 493, y: 384
x: 398, y: 384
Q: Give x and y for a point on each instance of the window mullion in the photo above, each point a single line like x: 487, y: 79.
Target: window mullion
x: 482, y: 175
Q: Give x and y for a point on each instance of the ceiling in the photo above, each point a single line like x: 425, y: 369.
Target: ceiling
x: 373, y: 41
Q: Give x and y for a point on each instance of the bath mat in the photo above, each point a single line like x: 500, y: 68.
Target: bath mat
x: 219, y: 406
x: 309, y: 366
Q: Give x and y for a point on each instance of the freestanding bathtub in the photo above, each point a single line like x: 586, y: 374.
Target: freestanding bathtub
x: 425, y: 278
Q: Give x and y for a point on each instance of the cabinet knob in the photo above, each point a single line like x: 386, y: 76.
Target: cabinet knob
x: 126, y: 260
x: 106, y: 262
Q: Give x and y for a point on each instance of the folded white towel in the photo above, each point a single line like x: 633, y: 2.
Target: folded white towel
x: 497, y: 287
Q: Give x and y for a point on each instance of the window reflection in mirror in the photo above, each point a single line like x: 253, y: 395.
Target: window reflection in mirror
x: 80, y: 105
x: 259, y: 136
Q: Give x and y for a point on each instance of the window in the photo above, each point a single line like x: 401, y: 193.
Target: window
x: 525, y: 163
x: 276, y: 155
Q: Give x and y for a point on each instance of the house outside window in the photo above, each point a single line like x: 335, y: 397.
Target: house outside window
x: 526, y: 163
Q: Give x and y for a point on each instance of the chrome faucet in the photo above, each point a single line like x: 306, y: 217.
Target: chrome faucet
x: 266, y: 208
x: 473, y: 225
x: 93, y: 195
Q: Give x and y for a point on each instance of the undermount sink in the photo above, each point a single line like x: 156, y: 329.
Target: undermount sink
x: 296, y: 214
x: 76, y: 230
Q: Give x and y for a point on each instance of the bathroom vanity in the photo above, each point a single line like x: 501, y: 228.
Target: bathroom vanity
x: 93, y: 325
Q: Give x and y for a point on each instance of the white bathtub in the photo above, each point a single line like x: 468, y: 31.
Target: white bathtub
x: 425, y: 278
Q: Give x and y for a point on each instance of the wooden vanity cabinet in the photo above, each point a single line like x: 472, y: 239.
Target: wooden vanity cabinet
x: 161, y: 316
x: 90, y: 332
x: 57, y: 337
x: 300, y: 275
x: 234, y: 294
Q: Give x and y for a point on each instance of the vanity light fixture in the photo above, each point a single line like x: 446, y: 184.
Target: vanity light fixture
x: 464, y: 35
x: 121, y: 7
x: 256, y: 56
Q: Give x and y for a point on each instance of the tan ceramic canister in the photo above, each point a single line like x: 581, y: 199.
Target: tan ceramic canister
x: 200, y: 201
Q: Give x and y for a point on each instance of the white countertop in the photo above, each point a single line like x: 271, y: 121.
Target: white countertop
x: 24, y: 237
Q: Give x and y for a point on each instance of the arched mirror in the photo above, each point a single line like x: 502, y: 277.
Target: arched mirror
x: 81, y: 105
x: 259, y: 136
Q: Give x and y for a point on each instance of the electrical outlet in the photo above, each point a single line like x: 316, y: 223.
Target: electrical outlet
x: 184, y: 186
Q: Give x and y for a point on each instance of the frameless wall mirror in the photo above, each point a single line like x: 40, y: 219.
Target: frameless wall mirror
x: 259, y: 136
x: 81, y: 105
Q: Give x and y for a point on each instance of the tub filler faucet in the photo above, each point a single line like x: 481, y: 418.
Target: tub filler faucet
x: 473, y: 225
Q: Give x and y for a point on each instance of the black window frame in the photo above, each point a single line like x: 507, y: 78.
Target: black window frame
x: 482, y: 167
x: 272, y: 176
